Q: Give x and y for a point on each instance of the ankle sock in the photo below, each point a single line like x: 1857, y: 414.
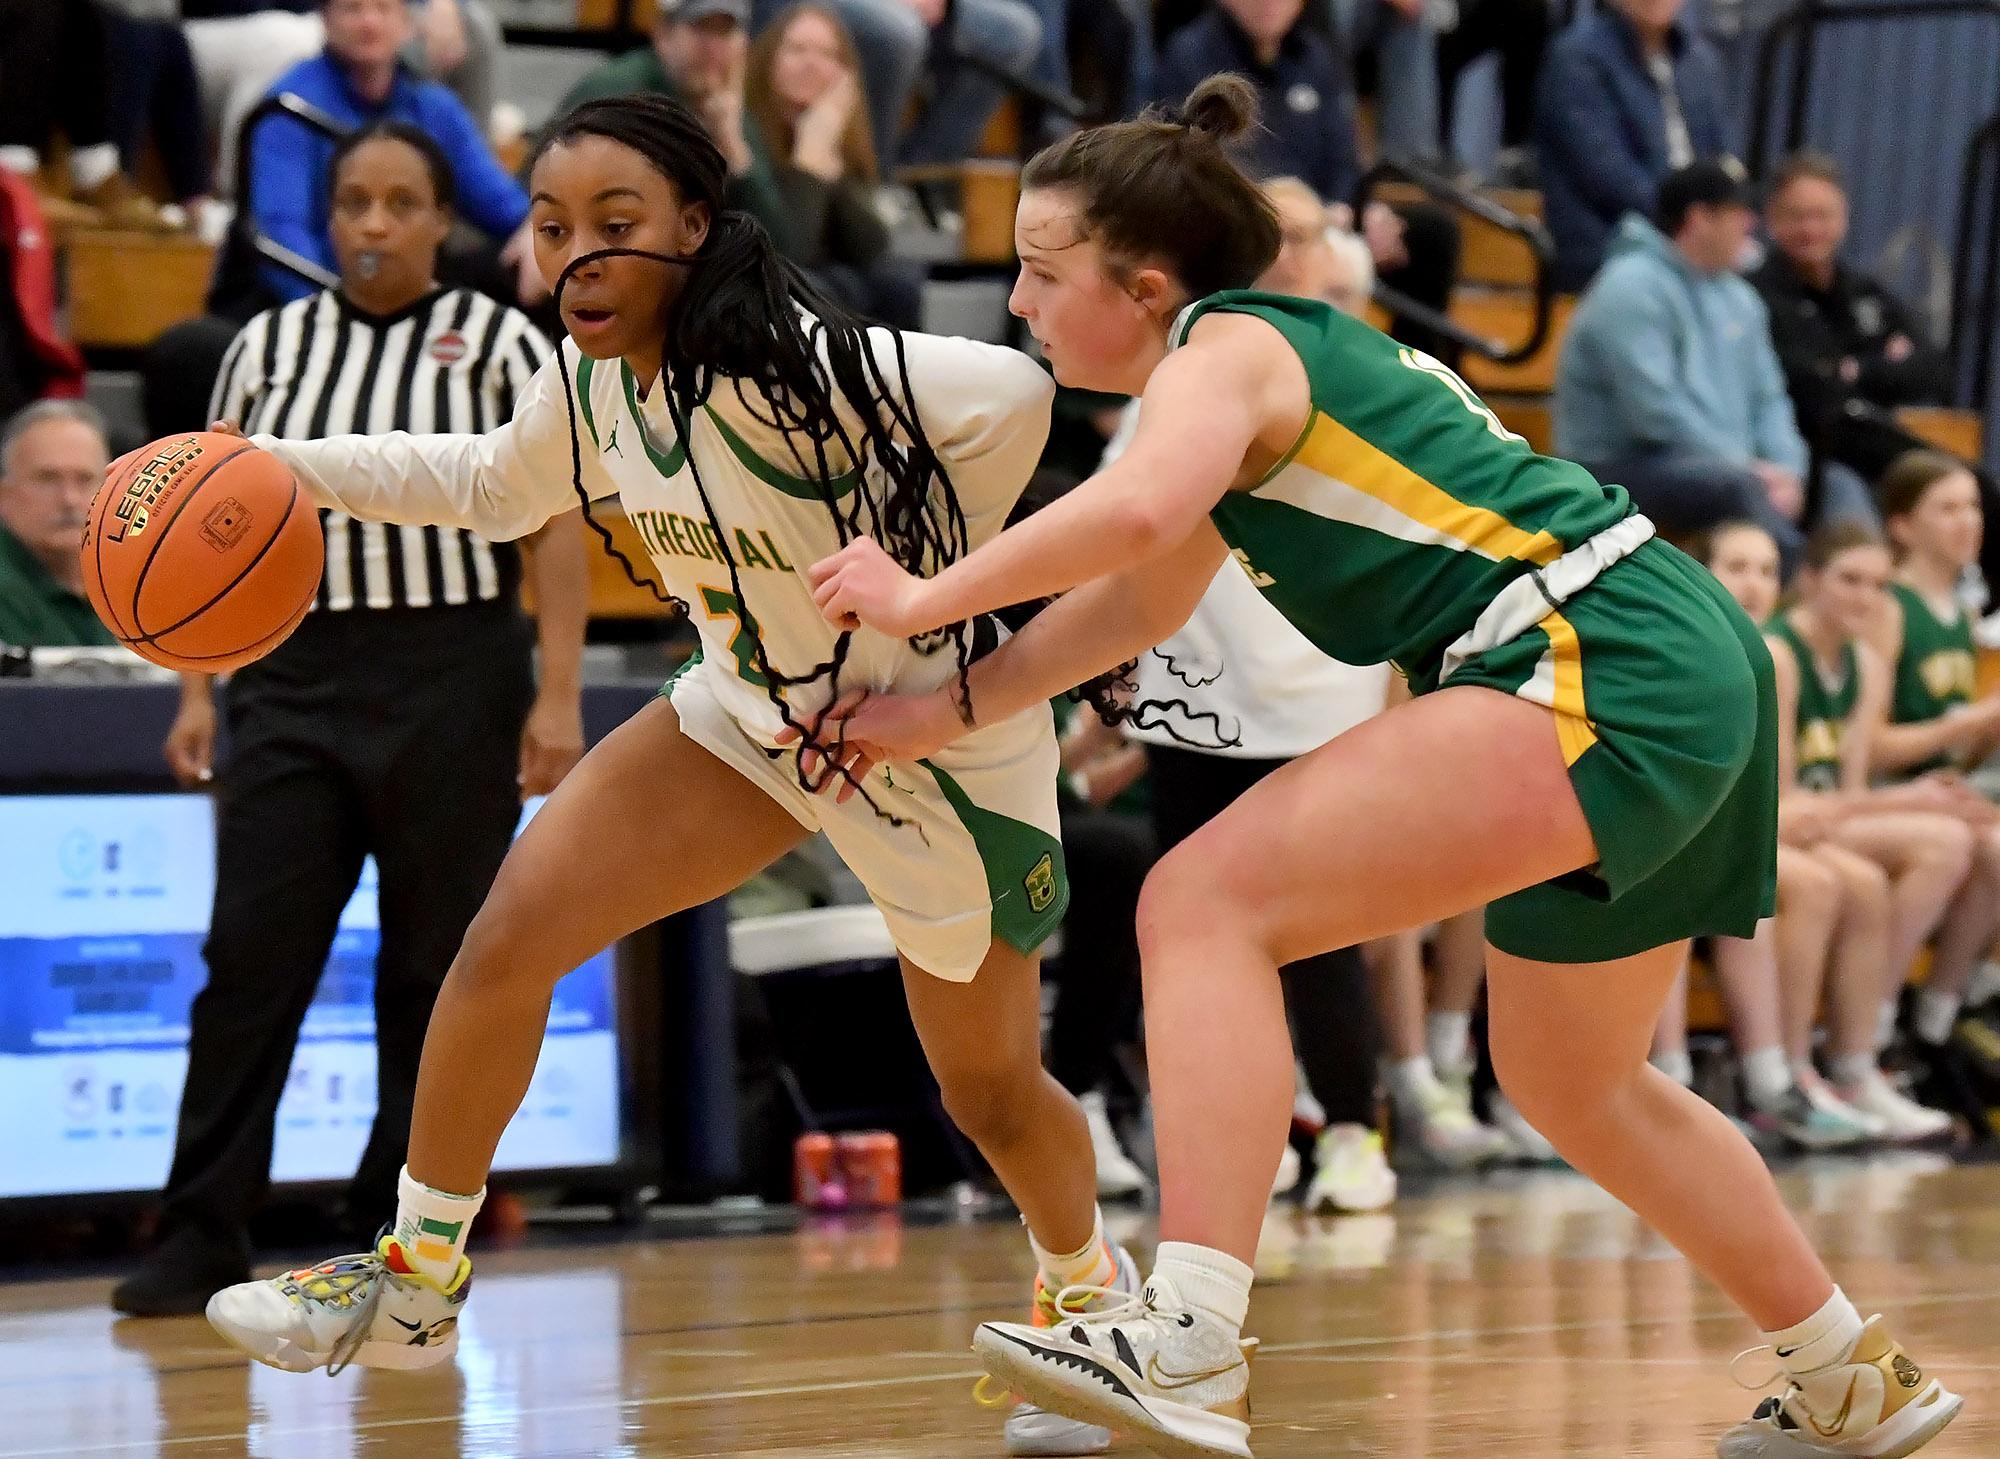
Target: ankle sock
x: 1848, y: 1070
x: 431, y: 1226
x: 1767, y: 1074
x: 1985, y: 984
x: 1824, y: 1339
x: 1450, y: 1038
x: 1411, y: 1079
x: 1676, y: 1065
x: 1885, y: 1024
x: 89, y: 166
x: 21, y: 160
x: 1090, y: 1265
x: 1934, y: 1016
x: 1203, y: 1277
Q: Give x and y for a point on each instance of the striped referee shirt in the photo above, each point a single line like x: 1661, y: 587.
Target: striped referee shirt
x: 454, y: 362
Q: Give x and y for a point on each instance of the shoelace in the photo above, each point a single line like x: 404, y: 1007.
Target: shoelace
x: 987, y: 1392
x: 334, y: 1284
x: 1777, y: 1372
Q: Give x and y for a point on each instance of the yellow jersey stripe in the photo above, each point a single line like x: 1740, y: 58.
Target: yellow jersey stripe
x: 1335, y: 451
x: 1574, y: 731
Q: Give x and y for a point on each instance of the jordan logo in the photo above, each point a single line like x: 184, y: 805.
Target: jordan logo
x: 612, y: 444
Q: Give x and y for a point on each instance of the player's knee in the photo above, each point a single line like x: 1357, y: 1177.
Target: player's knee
x: 1864, y: 890
x: 1810, y: 890
x: 990, y: 1104
x: 484, y: 959
x: 1185, y: 897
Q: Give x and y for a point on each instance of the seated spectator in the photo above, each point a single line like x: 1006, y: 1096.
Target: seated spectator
x: 1400, y: 40
x: 1309, y: 132
x: 52, y: 460
x: 700, y: 55
x: 1625, y: 97
x: 1852, y: 350
x: 55, y: 76
x: 1668, y: 384
x: 361, y: 78
x: 1118, y: 41
x: 807, y: 107
x: 157, y: 99
x: 1519, y: 31
x: 36, y: 360
x: 241, y: 47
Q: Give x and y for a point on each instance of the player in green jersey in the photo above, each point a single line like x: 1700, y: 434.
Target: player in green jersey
x: 1592, y: 749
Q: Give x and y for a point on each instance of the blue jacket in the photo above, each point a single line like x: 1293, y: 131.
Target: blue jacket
x: 1662, y: 356
x: 1307, y: 102
x: 290, y: 190
x: 1600, y: 132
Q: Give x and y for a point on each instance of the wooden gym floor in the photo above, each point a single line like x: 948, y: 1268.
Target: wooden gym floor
x: 1524, y: 1315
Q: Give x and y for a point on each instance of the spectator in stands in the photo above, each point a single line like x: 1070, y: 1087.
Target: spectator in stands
x: 158, y: 98
x: 55, y: 77
x: 1668, y: 384
x: 361, y: 78
x: 242, y: 46
x: 1625, y: 97
x: 1852, y: 350
x: 1119, y: 39
x: 1401, y: 37
x: 36, y: 360
x: 1309, y: 132
x: 700, y: 55
x: 400, y: 720
x: 809, y: 112
x: 52, y: 460
x: 1519, y: 31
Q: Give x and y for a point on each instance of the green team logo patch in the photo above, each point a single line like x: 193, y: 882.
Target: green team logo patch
x: 1040, y: 883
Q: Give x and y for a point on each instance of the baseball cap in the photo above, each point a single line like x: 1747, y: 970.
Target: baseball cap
x: 691, y: 12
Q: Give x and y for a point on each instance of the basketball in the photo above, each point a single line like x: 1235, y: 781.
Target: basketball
x: 201, y: 553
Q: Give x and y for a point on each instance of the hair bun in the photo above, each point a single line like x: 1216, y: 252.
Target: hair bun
x: 1223, y: 107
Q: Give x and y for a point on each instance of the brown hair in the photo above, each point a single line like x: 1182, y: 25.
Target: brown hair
x: 1164, y: 187
x: 1803, y: 165
x: 1909, y: 476
x: 1842, y: 534
x: 857, y: 145
x: 1708, y: 543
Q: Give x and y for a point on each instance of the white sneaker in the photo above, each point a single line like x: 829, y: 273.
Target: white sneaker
x: 1903, y: 1120
x: 1445, y: 1129
x: 1290, y: 1168
x: 1036, y: 1431
x: 1524, y: 1140
x: 1308, y: 1114
x: 1824, y: 1098
x: 1117, y: 1174
x: 1882, y: 1407
x: 1171, y: 1376
x: 1353, y: 1173
x: 353, y: 1309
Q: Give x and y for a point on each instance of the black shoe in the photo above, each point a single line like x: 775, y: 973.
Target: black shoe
x: 183, y: 1272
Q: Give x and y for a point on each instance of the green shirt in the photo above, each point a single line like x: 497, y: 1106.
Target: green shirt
x: 1405, y: 511
x: 1937, y: 670
x: 1823, y: 710
x: 36, y: 611
x: 755, y: 192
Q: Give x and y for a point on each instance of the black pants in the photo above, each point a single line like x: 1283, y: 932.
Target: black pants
x: 1869, y: 442
x: 390, y: 733
x: 1332, y: 1011
x: 1519, y: 31
x: 1432, y: 239
x: 1097, y: 1001
x: 53, y: 75
x: 157, y: 96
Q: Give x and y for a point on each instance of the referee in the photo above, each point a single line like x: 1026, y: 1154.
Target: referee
x: 401, y: 719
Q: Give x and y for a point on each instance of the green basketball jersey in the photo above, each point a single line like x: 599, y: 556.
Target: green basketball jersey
x: 1938, y: 667
x: 1823, y: 710
x: 1397, y: 522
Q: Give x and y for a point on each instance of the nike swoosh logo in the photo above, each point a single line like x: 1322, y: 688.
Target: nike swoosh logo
x: 1159, y: 1378
x: 409, y: 1326
x: 1828, y: 1431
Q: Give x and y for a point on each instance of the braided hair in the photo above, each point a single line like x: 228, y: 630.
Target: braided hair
x: 746, y: 317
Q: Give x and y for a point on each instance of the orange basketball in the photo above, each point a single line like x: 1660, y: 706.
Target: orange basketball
x: 201, y: 552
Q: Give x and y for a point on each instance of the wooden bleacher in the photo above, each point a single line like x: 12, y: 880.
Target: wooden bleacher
x: 126, y: 289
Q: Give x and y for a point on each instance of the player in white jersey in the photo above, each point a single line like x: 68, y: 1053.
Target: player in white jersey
x: 777, y: 431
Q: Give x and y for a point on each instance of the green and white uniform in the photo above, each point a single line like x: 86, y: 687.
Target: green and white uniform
x: 978, y: 854
x: 1406, y: 523
x: 1824, y: 709
x: 1937, y: 670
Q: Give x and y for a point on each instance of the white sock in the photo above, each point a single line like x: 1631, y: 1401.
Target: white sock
x: 20, y: 159
x: 1090, y: 1265
x: 1885, y: 1024
x: 1203, y: 1277
x: 1824, y: 1339
x: 1450, y: 1038
x: 88, y: 166
x: 1985, y: 984
x: 1848, y: 1070
x: 1412, y: 1078
x: 1934, y: 1016
x: 1768, y: 1074
x: 1676, y: 1065
x: 431, y: 1226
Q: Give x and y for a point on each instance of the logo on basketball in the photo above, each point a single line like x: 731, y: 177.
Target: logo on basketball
x: 449, y: 349
x: 225, y: 525
x: 143, y: 494
x: 1041, y: 883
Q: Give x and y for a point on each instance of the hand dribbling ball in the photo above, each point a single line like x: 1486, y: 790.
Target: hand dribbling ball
x: 201, y: 552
